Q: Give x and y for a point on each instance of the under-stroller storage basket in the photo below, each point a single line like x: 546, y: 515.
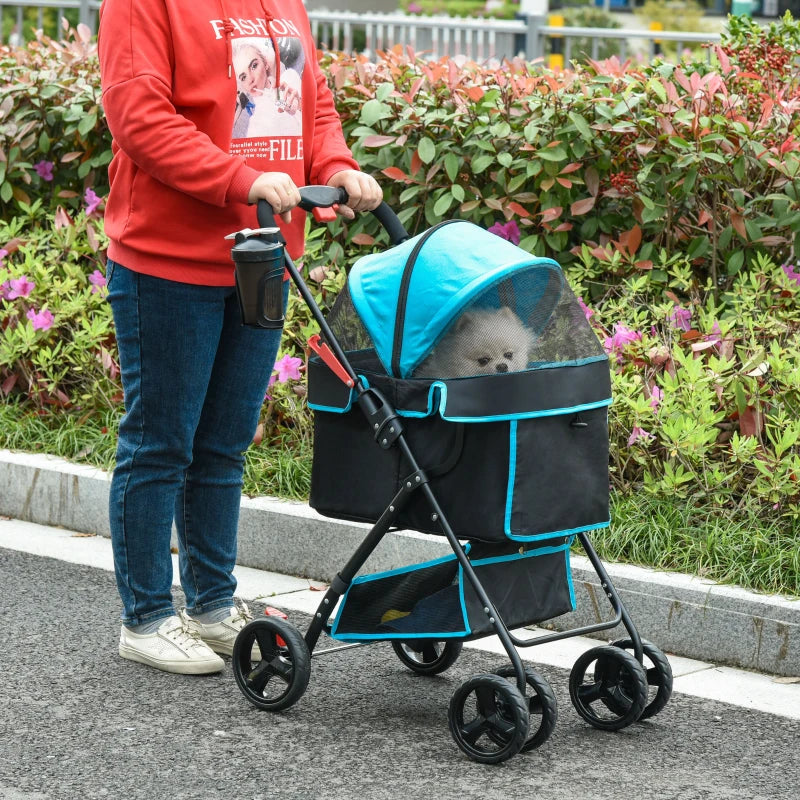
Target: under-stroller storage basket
x: 519, y: 452
x: 434, y: 600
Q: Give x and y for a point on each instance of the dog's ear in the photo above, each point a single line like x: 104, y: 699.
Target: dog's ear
x: 508, y: 313
x: 464, y: 322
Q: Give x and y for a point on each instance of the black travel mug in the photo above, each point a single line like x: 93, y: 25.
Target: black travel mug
x: 259, y: 267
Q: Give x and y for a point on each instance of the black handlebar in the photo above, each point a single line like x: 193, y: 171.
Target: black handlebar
x: 327, y: 196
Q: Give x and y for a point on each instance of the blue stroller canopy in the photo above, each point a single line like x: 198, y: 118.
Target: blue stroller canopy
x: 408, y: 296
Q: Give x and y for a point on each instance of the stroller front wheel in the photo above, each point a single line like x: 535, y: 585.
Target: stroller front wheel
x: 659, y: 675
x: 541, y: 705
x: 488, y: 719
x: 426, y: 657
x: 280, y: 677
x: 615, y: 694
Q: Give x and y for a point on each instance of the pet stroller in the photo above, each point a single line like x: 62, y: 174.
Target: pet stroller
x: 509, y: 465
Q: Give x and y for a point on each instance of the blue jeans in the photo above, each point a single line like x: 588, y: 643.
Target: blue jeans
x: 194, y: 381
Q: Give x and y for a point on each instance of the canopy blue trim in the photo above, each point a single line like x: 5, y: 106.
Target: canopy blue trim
x: 456, y: 264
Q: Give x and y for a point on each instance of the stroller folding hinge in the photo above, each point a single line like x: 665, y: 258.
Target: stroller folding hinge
x: 413, y: 481
x: 385, y: 423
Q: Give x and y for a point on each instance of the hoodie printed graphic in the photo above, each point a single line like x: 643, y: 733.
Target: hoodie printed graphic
x: 201, y: 99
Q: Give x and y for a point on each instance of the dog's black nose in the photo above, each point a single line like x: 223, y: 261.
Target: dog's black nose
x: 502, y: 367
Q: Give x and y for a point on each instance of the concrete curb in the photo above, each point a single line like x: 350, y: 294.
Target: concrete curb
x: 684, y: 615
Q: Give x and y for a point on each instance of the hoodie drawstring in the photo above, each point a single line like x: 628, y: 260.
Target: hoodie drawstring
x: 228, y: 28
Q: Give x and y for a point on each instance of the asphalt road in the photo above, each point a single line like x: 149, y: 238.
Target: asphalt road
x: 77, y: 722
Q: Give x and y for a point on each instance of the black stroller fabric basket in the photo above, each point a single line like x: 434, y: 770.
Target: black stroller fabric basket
x: 518, y: 454
x: 433, y: 600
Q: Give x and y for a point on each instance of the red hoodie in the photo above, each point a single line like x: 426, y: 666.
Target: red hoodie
x: 189, y: 95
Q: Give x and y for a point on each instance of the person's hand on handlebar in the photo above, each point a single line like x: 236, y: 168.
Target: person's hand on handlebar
x: 363, y: 191
x: 279, y: 190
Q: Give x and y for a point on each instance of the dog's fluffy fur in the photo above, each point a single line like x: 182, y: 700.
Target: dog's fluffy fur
x: 481, y: 342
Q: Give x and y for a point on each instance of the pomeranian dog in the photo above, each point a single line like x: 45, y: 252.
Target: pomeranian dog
x: 482, y: 342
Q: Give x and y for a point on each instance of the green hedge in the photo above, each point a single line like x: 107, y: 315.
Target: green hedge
x: 669, y: 193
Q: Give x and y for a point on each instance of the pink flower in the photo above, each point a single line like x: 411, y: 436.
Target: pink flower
x: 41, y: 320
x: 19, y: 287
x: 791, y: 273
x: 288, y: 368
x: 3, y: 254
x: 414, y: 8
x: 587, y: 312
x: 98, y: 281
x: 716, y: 334
x: 639, y: 433
x: 509, y: 231
x: 621, y: 337
x: 681, y: 318
x: 45, y: 170
x: 5, y: 288
x: 656, y: 396
x: 92, y: 201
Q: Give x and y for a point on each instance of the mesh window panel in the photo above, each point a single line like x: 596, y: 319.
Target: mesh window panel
x: 347, y: 326
x: 529, y: 320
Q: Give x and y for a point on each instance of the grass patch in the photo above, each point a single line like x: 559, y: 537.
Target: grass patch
x: 747, y: 551
x: 276, y: 469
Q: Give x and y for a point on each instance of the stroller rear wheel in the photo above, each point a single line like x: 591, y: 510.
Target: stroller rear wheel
x: 488, y: 718
x: 659, y: 675
x: 615, y: 695
x: 427, y: 657
x: 541, y: 704
x: 281, y: 676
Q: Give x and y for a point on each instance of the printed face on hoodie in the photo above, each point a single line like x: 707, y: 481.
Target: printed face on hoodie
x: 254, y: 68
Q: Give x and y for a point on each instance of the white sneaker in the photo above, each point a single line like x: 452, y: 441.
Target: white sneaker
x: 171, y: 648
x: 220, y: 636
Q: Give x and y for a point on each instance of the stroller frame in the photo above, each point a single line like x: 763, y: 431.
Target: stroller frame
x: 620, y: 680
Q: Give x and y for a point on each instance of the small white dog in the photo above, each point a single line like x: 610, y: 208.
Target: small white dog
x: 482, y: 342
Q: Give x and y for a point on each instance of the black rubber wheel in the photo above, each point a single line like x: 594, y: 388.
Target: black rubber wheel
x: 427, y: 657
x: 488, y: 718
x: 659, y: 676
x: 280, y: 678
x: 542, y: 706
x: 615, y: 695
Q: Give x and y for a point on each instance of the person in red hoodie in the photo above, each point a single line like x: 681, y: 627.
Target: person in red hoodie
x: 195, y: 145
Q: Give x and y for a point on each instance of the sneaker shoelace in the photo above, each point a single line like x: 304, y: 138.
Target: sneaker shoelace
x: 181, y: 634
x: 242, y: 613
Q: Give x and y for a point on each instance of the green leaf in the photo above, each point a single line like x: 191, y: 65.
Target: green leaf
x: 44, y: 142
x: 552, y: 153
x: 384, y: 90
x: 457, y: 192
x: 373, y: 111
x: 6, y: 192
x: 451, y: 166
x: 426, y: 150
x: 753, y: 230
x: 87, y: 124
x: 654, y: 85
x: 442, y: 205
x: 581, y: 125
x: 735, y: 262
x: 698, y: 247
x: 505, y: 159
x: 480, y: 163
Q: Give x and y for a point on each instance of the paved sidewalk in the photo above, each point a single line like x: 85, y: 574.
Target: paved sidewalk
x: 755, y: 691
x: 693, y: 617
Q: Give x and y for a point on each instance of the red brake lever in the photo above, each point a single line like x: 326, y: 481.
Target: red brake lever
x: 326, y: 214
x: 326, y: 354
